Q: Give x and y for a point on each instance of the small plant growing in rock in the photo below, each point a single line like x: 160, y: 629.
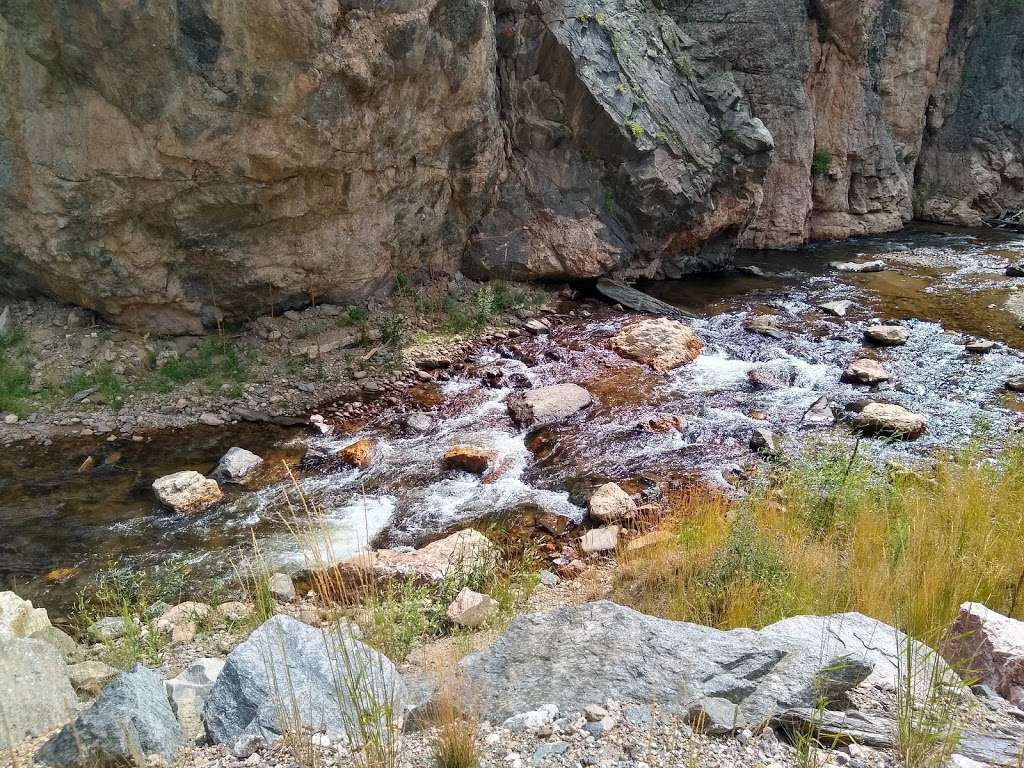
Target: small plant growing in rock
x: 601, y: 19
x: 821, y: 163
x: 635, y: 128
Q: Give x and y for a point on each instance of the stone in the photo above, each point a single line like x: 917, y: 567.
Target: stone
x: 468, y: 459
x: 600, y: 651
x: 887, y: 335
x: 610, y: 504
x: 532, y: 719
x: 89, y: 677
x: 547, y: 578
x: 5, y: 320
x: 419, y: 423
x: 819, y: 414
x: 865, y: 371
x: 664, y: 422
x: 1015, y: 384
x: 19, y: 618
x: 472, y: 609
x: 182, y: 620
x: 594, y: 712
x: 59, y: 639
x: 889, y: 419
x: 463, y: 552
x: 772, y: 376
x: 548, y: 405
x: 553, y: 523
x: 980, y: 347
x: 35, y: 693
x: 360, y: 454
x: 186, y: 492
x: 188, y: 692
x: 764, y: 325
x: 108, y: 628
x: 211, y: 420
x: 287, y: 666
x: 837, y: 308
x: 235, y: 610
x: 281, y: 587
x: 661, y: 343
x: 714, y: 716
x: 648, y: 541
x: 763, y: 441
x: 984, y: 646
x: 131, y: 717
x: 600, y: 539
x: 1015, y: 270
x: 236, y: 466
x: 859, y: 267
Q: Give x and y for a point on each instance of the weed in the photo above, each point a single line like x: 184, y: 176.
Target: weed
x: 821, y: 163
x: 455, y: 743
x: 474, y: 310
x: 216, y: 363
x: 102, y: 377
x: 927, y: 730
x: 254, y: 575
x: 394, y: 330
x: 635, y: 128
x: 15, y: 373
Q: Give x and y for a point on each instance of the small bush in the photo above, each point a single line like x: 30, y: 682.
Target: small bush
x: 216, y: 363
x: 821, y: 162
x: 15, y: 374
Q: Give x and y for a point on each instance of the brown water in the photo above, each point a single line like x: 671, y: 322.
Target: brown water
x: 943, y: 285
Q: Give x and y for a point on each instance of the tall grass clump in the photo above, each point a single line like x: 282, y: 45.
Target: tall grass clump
x: 15, y: 374
x: 833, y: 532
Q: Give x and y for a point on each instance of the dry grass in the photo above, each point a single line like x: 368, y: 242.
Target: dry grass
x: 830, y: 534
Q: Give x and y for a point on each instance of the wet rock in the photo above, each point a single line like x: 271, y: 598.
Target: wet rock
x: 865, y: 371
x: 763, y: 441
x: 131, y: 716
x: 359, y: 454
x: 548, y: 405
x: 281, y: 587
x: 980, y: 347
x: 601, y: 651
x: 472, y: 609
x: 469, y: 459
x: 186, y: 492
x: 610, y: 504
x: 863, y: 266
x: 837, y: 308
x: 106, y: 629
x: 35, y: 693
x: 211, y: 420
x: 19, y: 618
x: 462, y: 552
x: 600, y: 539
x: 1015, y: 384
x: 887, y: 335
x: 772, y: 376
x: 819, y: 414
x: 420, y: 423
x: 89, y: 677
x: 889, y: 419
x: 285, y: 658
x: 436, y: 363
x: 765, y: 325
x: 553, y: 523
x: 662, y: 343
x: 664, y: 422
x: 1015, y: 270
x: 187, y: 693
x: 236, y: 465
x: 987, y: 647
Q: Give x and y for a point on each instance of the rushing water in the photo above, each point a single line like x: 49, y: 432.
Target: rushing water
x: 945, y: 286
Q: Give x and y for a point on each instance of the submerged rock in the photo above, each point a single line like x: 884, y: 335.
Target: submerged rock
x: 322, y: 679
x: 360, y: 454
x: 35, y: 692
x: 548, y: 405
x: 186, y: 492
x: 662, y: 343
x: 986, y: 647
x: 236, y: 465
x: 131, y: 717
x: 889, y: 419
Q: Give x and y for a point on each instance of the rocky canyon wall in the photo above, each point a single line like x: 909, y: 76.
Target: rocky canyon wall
x: 171, y: 164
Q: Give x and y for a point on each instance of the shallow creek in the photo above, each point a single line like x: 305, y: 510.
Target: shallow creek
x: 946, y: 286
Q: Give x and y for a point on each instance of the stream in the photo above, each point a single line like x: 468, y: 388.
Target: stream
x: 946, y: 286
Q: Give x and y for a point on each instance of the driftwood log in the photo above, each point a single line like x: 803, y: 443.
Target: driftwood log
x: 636, y: 300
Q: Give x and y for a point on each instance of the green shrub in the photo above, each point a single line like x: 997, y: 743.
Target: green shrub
x: 821, y: 162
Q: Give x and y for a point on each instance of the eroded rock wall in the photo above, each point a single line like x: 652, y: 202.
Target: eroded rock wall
x: 169, y: 163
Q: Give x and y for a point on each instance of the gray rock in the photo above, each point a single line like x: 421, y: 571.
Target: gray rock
x: 35, y: 694
x: 89, y: 677
x: 60, y: 640
x: 865, y: 266
x: 549, y: 749
x: 714, y: 716
x: 763, y: 441
x: 548, y: 405
x: 837, y: 308
x: 865, y: 371
x: 106, y: 629
x: 887, y: 335
x: 889, y: 419
x: 980, y: 347
x: 1015, y: 384
x: 602, y: 651
x: 420, y: 423
x: 548, y: 579
x: 819, y: 414
x: 188, y: 692
x: 281, y: 587
x: 236, y: 465
x: 600, y: 539
x: 285, y: 663
x: 131, y: 718
x: 5, y: 320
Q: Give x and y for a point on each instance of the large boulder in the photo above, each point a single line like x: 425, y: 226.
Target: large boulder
x: 548, y: 405
x: 35, y: 693
x: 131, y: 717
x: 180, y: 162
x: 236, y: 465
x: 889, y: 419
x: 320, y: 679
x: 660, y: 342
x: 188, y: 692
x: 599, y: 651
x: 18, y: 618
x: 463, y: 552
x: 986, y: 647
x: 186, y: 492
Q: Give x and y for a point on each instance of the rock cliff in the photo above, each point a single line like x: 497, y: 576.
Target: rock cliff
x: 174, y: 164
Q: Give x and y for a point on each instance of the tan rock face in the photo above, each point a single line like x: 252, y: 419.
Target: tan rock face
x: 359, y: 454
x: 178, y: 162
x: 468, y: 459
x: 662, y: 343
